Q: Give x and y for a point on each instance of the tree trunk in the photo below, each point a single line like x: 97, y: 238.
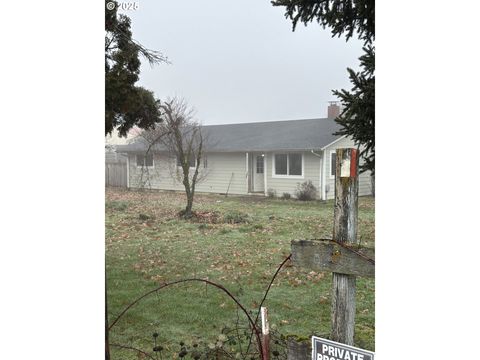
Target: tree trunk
x: 186, y: 183
x: 188, y: 209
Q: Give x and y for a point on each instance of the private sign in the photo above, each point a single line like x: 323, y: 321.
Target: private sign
x: 323, y: 349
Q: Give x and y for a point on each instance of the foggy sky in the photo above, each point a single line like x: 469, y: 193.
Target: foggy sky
x: 239, y: 61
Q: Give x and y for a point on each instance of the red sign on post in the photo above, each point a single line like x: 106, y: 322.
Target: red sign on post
x: 348, y: 166
x: 353, y: 163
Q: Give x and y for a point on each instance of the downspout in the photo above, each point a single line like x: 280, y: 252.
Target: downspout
x: 251, y: 172
x: 320, y: 179
x: 246, y: 171
x: 324, y: 175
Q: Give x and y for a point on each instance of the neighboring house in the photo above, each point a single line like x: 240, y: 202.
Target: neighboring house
x: 115, y: 162
x: 111, y: 143
x: 113, y: 157
x: 252, y: 158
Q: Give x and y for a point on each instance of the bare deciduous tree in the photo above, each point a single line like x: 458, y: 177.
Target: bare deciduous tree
x: 181, y: 136
x: 186, y: 142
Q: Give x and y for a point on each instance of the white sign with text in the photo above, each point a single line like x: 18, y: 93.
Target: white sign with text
x: 323, y: 349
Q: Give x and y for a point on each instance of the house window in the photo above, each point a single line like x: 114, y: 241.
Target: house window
x: 333, y: 163
x: 191, y: 161
x: 145, y: 160
x: 205, y: 162
x: 288, y: 164
x: 295, y: 164
x: 259, y: 164
x: 281, y: 164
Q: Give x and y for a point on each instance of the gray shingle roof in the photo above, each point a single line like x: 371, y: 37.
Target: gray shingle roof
x: 263, y: 136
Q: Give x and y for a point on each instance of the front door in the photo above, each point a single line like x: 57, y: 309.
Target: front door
x: 258, y: 176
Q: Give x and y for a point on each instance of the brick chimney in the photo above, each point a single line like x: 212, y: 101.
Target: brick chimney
x: 333, y: 109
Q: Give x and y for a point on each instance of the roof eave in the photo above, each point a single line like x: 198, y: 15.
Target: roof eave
x: 333, y: 142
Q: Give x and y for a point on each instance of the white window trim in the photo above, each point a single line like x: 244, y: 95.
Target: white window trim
x: 330, y: 165
x: 140, y: 166
x: 274, y: 175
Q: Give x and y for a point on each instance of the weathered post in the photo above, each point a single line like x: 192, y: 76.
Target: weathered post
x: 337, y: 255
x: 265, y: 334
x: 345, y: 232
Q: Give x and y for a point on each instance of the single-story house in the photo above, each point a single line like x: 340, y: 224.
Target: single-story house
x: 253, y: 158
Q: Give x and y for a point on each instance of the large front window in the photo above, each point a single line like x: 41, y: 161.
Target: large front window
x: 288, y: 164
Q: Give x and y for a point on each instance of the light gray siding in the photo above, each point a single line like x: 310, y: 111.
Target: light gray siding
x: 222, y: 169
x: 228, y: 171
x: 156, y: 177
x: 364, y: 181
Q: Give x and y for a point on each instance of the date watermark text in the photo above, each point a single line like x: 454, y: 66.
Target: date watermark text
x: 123, y: 5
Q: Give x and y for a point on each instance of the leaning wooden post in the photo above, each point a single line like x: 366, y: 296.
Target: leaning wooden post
x: 345, y: 232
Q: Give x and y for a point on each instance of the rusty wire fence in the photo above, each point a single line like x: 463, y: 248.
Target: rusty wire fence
x: 244, y: 338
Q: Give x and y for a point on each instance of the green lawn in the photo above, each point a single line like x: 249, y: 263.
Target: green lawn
x: 147, y: 245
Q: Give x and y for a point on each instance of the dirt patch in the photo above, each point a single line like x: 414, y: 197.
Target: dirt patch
x: 206, y: 217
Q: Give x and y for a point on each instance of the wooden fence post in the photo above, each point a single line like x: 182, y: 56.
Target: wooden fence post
x: 265, y: 334
x: 345, y: 232
x: 337, y: 255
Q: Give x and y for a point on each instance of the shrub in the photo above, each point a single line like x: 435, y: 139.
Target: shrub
x: 306, y: 191
x: 235, y: 217
x: 286, y: 196
x: 271, y: 193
